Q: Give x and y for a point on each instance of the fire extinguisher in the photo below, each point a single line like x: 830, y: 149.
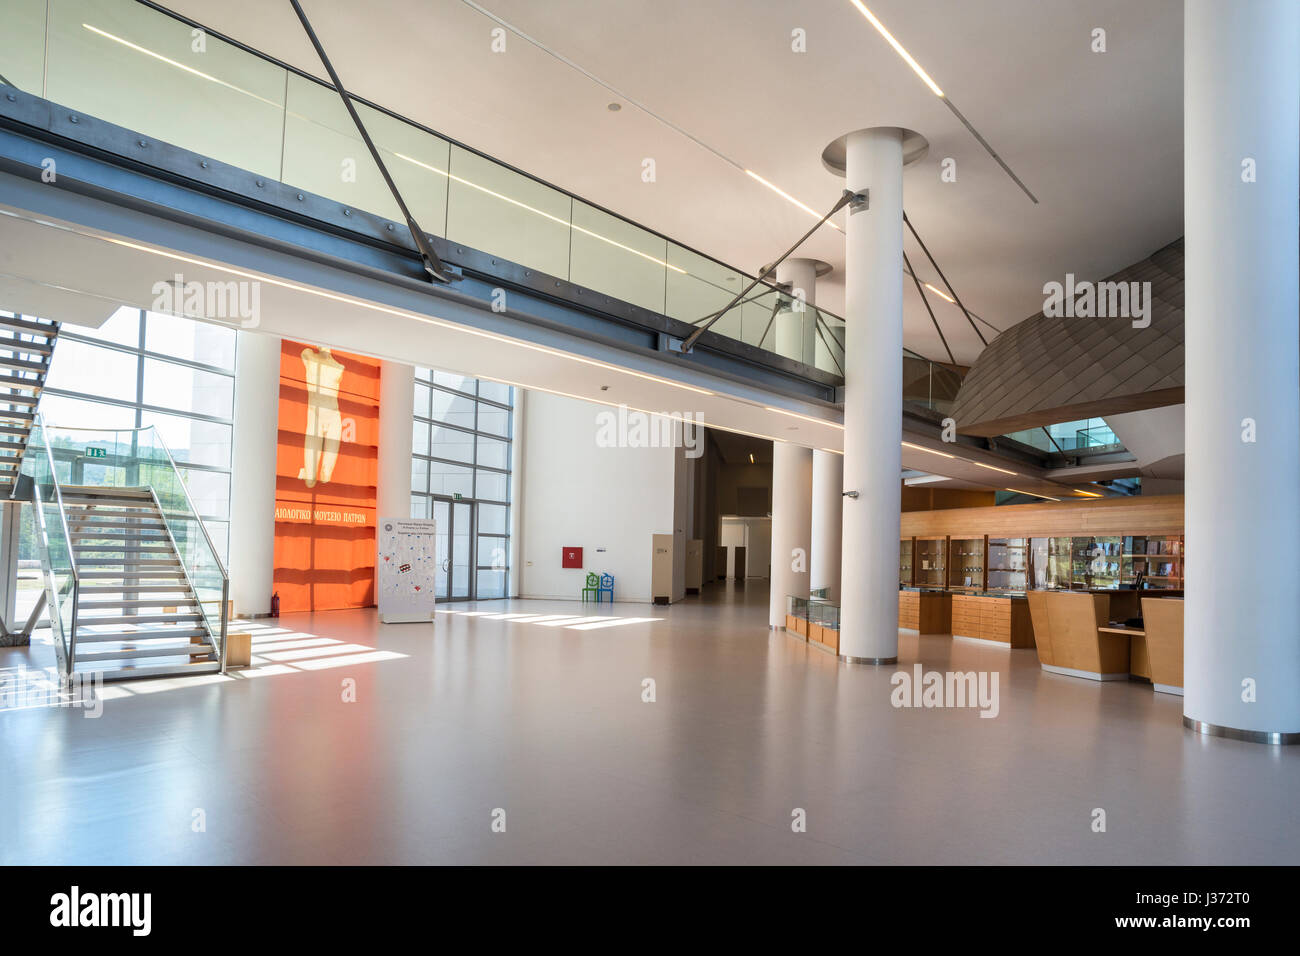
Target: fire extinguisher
x: 275, y: 604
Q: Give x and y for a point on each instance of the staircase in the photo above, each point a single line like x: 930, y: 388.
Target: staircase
x: 136, y: 612
x: 26, y: 346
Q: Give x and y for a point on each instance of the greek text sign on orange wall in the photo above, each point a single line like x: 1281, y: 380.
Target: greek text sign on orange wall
x: 325, y: 475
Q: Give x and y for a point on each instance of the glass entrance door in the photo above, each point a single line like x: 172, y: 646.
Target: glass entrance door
x: 462, y: 537
x: 455, y: 534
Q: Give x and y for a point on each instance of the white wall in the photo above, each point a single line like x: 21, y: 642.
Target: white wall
x: 252, y: 474
x: 574, y: 493
x: 396, y: 414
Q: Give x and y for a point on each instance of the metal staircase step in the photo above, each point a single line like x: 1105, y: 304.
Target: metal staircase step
x: 135, y: 602
x: 129, y: 588
x: 93, y: 575
x: 161, y: 548
x: 19, y: 345
x: 27, y: 326
x: 119, y: 512
x: 128, y: 534
x: 18, y: 382
x: 136, y: 672
x: 148, y: 650
x: 112, y: 491
x: 101, y: 637
x: 19, y: 365
x: 127, y: 563
x: 137, y: 619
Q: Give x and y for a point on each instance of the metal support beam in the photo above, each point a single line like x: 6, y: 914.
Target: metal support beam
x: 848, y: 196
x: 951, y: 291
x: 432, y: 264
x: 926, y: 303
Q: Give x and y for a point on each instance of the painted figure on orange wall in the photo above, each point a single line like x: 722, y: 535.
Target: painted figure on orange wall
x: 322, y: 373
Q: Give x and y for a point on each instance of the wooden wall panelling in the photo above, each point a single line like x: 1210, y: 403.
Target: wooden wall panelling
x: 1140, y: 514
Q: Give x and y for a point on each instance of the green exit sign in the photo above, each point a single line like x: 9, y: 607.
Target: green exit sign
x: 96, y: 452
x: 456, y: 496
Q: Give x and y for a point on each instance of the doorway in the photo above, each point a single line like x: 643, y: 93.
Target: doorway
x: 454, y: 542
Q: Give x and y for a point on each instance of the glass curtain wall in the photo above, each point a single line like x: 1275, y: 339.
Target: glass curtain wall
x: 145, y: 368
x: 460, y: 476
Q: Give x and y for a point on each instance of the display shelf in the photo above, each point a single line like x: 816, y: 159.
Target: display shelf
x: 1095, y: 562
x: 1059, y: 556
x: 1153, y: 561
x: 906, y: 553
x: 1008, y: 564
x: 966, y: 564
x: 930, y: 562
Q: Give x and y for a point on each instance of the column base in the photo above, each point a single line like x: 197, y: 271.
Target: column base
x: 1274, y: 737
x: 850, y: 659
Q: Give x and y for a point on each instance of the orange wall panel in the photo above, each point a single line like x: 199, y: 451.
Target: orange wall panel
x: 326, y: 474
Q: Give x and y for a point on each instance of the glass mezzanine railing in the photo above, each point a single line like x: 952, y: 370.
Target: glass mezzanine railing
x: 122, y: 458
x: 58, y: 566
x: 138, y: 67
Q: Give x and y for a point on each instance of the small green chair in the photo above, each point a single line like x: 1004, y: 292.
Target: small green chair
x: 592, y: 588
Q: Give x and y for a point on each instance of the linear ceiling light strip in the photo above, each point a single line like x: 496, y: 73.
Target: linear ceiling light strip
x: 432, y: 264
x: 549, y: 51
x: 934, y: 88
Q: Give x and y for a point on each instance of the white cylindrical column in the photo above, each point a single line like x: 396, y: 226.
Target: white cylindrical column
x: 792, y: 326
x: 873, y: 395
x: 396, y: 413
x: 791, y: 526
x: 252, y: 475
x: 827, y: 518
x: 1241, y: 105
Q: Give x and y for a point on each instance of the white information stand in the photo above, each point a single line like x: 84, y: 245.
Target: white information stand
x: 406, y: 569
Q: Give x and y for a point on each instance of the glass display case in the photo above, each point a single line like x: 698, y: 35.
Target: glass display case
x: 824, y: 613
x: 905, y: 562
x: 796, y: 607
x: 966, y: 564
x: 1008, y: 564
x: 1039, y: 549
x: 929, y: 563
x: 1096, y: 562
x: 1153, y: 562
x: 1059, y: 570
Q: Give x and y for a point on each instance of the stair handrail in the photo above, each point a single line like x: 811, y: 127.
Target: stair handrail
x: 69, y: 640
x: 216, y: 555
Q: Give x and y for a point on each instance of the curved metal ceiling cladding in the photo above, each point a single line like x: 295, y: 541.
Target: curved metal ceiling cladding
x: 1050, y: 369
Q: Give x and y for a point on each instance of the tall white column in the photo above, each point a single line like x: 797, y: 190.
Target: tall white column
x: 1241, y: 106
x: 791, y: 526
x: 252, y: 475
x: 792, y: 327
x: 873, y: 392
x: 827, y: 522
x: 396, y: 413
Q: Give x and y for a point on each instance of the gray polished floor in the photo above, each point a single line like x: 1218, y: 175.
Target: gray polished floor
x: 545, y: 720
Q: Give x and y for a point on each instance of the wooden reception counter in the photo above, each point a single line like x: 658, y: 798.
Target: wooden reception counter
x: 1081, y: 634
x: 1002, y: 618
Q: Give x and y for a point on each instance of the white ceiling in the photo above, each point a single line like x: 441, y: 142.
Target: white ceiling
x: 1097, y: 137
